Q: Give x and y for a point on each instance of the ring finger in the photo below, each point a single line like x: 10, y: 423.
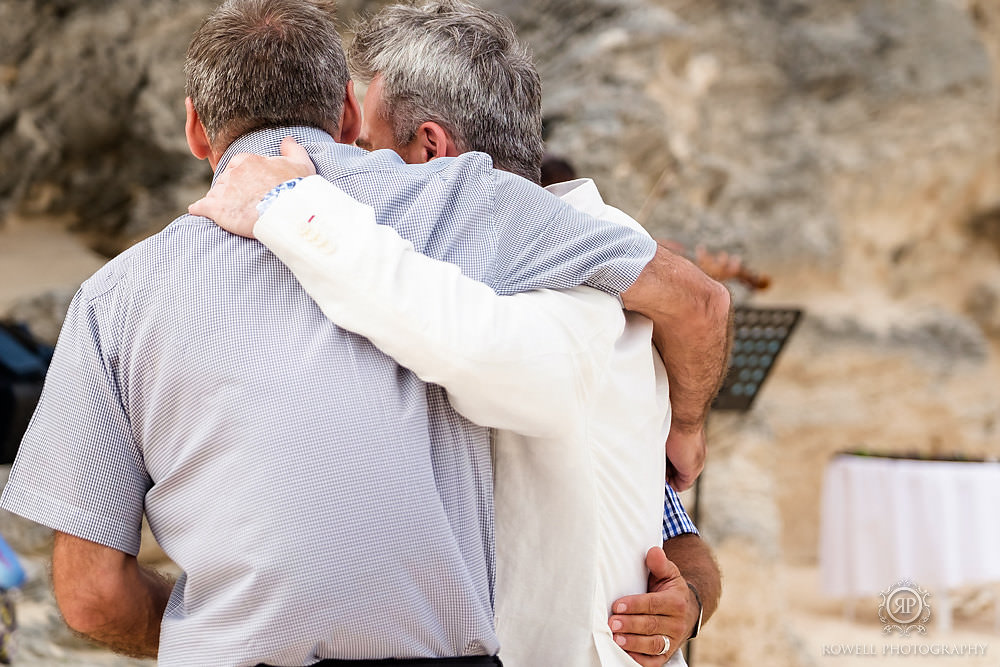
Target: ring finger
x: 647, y: 644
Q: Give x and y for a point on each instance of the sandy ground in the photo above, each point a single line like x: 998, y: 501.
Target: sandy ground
x: 41, y: 256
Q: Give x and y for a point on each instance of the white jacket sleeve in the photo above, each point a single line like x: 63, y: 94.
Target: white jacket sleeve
x: 524, y: 363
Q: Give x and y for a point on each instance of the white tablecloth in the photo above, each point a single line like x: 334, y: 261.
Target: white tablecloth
x: 935, y: 523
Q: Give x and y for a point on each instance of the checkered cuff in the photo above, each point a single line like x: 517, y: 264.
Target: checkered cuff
x: 269, y: 198
x: 675, y: 519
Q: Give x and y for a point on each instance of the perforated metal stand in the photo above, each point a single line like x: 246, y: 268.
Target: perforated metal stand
x: 759, y: 335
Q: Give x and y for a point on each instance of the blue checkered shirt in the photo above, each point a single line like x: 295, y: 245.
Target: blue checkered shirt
x: 321, y: 501
x: 675, y: 519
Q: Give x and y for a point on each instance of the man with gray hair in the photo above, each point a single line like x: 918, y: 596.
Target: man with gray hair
x: 445, y: 78
x: 462, y: 68
x: 325, y: 506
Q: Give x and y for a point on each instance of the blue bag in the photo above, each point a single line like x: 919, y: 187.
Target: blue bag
x: 23, y: 364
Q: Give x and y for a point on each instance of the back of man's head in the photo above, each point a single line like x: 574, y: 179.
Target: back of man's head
x: 266, y: 63
x: 462, y: 67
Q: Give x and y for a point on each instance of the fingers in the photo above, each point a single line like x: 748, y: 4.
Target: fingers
x: 209, y: 206
x: 294, y: 151
x: 227, y: 210
x: 631, y: 605
x: 290, y: 148
x: 645, y: 645
x: 212, y: 204
x: 661, y: 609
x: 683, y: 479
x: 236, y: 161
x: 679, y: 481
x: 200, y: 207
x: 641, y: 624
x: 671, y: 598
x: 686, y: 453
x: 661, y: 569
x: 651, y: 625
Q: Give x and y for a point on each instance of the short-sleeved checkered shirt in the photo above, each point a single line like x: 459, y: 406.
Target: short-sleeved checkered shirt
x: 321, y: 500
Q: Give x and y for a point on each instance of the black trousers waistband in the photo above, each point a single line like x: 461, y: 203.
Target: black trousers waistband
x: 469, y: 661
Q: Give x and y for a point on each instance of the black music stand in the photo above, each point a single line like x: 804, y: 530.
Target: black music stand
x: 759, y: 336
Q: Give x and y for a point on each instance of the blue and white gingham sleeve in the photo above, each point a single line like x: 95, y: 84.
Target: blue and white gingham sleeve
x: 545, y: 243
x: 78, y: 469
x: 675, y: 518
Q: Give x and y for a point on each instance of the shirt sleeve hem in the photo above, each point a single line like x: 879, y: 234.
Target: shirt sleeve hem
x: 64, y: 518
x: 619, y: 275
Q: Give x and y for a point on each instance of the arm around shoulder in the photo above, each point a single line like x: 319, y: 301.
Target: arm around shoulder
x: 692, y: 329
x: 522, y: 363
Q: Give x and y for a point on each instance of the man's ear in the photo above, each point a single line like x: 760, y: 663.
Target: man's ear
x: 197, y: 138
x: 350, y: 117
x: 431, y: 141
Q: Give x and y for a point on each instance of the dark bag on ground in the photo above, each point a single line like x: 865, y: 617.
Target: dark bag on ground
x: 23, y: 363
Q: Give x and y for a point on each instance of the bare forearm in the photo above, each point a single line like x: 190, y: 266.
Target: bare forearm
x: 133, y: 628
x: 692, y: 330
x: 108, y: 597
x: 697, y: 565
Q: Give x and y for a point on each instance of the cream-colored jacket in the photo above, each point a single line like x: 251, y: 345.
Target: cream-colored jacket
x: 570, y: 382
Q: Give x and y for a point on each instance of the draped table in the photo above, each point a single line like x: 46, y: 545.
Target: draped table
x: 935, y: 523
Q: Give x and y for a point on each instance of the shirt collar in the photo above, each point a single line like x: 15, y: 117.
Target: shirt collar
x: 581, y: 194
x: 268, y: 142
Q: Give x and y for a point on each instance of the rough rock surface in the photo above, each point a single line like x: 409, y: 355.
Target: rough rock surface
x: 848, y: 148
x: 91, y: 112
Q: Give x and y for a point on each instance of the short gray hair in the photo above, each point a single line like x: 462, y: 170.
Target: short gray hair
x: 455, y: 64
x: 266, y: 63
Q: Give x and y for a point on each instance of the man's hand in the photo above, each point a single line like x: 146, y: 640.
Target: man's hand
x: 669, y: 609
x: 686, y: 452
x: 232, y: 201
x: 721, y: 266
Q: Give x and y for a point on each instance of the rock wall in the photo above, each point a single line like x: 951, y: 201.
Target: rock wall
x: 849, y: 148
x: 91, y: 113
